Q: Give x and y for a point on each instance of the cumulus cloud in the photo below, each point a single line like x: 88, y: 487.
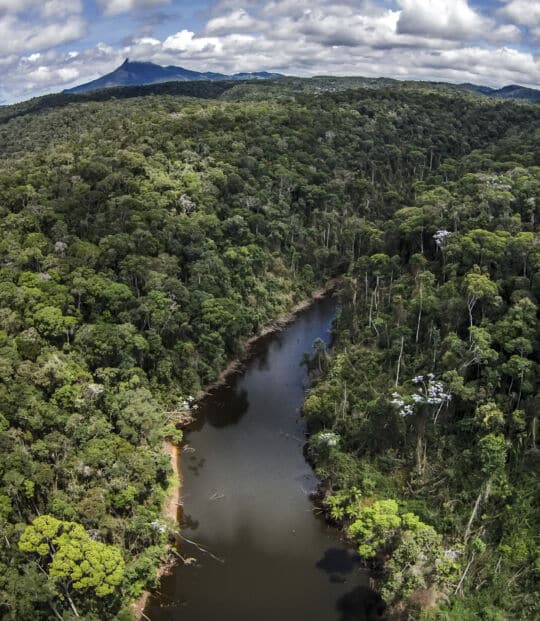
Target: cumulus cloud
x: 408, y: 39
x: 47, y: 8
x: 449, y: 19
x: 238, y: 20
x: 52, y: 70
x: 61, y: 8
x: 54, y: 23
x: 19, y: 36
x: 115, y: 7
x: 525, y: 12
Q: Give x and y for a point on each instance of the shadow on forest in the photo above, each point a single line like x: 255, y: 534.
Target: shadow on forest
x: 361, y: 604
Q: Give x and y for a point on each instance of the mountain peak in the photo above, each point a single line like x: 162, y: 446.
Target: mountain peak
x: 139, y: 73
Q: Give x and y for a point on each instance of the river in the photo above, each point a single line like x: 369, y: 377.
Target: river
x: 263, y: 553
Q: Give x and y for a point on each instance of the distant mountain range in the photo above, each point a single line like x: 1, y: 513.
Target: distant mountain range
x: 146, y: 73
x: 512, y: 91
x: 141, y: 73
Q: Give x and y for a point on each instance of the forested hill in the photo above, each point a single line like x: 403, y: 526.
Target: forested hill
x: 240, y: 87
x: 142, y: 240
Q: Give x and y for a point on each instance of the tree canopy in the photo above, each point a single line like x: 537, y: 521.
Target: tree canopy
x: 144, y: 239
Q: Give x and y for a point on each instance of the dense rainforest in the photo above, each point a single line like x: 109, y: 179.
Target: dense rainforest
x: 425, y: 423
x: 144, y: 239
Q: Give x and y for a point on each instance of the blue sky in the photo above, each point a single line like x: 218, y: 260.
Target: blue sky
x: 48, y: 45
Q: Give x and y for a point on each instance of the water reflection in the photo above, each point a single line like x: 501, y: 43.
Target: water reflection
x: 361, y: 604
x: 338, y: 561
x: 246, y: 488
x: 189, y: 522
x: 233, y: 406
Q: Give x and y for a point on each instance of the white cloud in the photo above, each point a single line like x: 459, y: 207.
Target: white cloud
x: 238, y: 20
x: 48, y: 23
x: 185, y: 42
x: 115, y: 7
x: 345, y: 28
x: 18, y: 36
x: 61, y: 8
x: 505, y: 65
x: 416, y: 39
x: 17, y: 5
x: 148, y: 41
x: 47, y: 74
x: 47, y: 8
x: 525, y: 12
x: 449, y: 19
x: 53, y: 70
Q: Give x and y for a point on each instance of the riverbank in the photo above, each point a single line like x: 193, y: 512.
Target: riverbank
x: 173, y: 501
x: 250, y: 521
x: 170, y: 511
x: 236, y: 365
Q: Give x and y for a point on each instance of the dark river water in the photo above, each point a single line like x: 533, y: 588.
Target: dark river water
x: 267, y: 555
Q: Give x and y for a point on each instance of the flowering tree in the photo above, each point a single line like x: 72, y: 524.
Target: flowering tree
x: 429, y: 392
x: 440, y: 238
x: 429, y: 397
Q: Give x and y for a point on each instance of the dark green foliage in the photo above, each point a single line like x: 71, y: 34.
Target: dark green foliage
x: 433, y: 391
x: 144, y: 239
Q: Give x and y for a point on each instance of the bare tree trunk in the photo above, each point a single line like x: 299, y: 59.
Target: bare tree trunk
x: 420, y: 445
x: 71, y: 604
x: 463, y: 575
x: 345, y: 402
x: 470, y: 306
x: 366, y: 285
x: 55, y: 611
x: 370, y: 319
x: 419, y: 318
x: 399, y: 361
x: 483, y: 495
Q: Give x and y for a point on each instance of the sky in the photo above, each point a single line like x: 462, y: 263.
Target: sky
x: 49, y: 45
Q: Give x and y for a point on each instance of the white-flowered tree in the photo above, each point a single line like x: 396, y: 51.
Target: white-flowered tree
x: 427, y: 399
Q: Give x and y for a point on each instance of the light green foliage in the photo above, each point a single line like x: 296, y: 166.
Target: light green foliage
x: 492, y: 453
x: 50, y: 322
x: 415, y: 558
x: 490, y: 416
x: 39, y: 536
x: 375, y: 526
x: 417, y: 561
x: 343, y: 503
x: 88, y: 564
x: 75, y: 558
x: 479, y: 288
